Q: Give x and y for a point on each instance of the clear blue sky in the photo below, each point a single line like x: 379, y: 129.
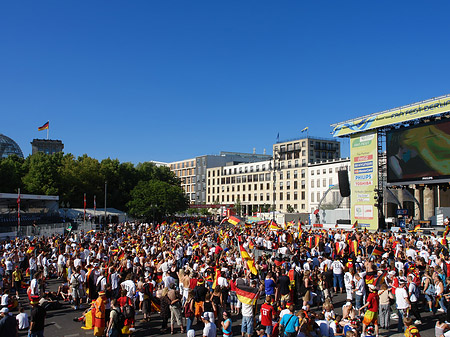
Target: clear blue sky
x: 170, y: 80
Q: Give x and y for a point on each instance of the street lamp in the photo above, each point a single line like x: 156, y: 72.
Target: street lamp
x: 276, y: 158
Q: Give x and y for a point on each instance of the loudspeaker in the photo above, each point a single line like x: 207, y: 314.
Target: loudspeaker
x: 344, y: 186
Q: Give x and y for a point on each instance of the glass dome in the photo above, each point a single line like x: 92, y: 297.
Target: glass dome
x: 8, y: 147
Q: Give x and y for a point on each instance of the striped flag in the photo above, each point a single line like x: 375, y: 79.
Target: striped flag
x: 246, y: 257
x: 446, y: 231
x: 44, y: 127
x: 233, y: 220
x: 217, y: 274
x: 246, y: 294
x: 378, y: 250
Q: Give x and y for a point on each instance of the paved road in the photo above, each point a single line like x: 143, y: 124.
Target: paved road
x: 59, y: 323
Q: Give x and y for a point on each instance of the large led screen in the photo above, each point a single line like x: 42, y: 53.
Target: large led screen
x: 419, y: 154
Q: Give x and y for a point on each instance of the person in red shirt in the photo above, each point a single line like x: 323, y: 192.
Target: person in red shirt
x: 267, y: 315
x: 371, y: 315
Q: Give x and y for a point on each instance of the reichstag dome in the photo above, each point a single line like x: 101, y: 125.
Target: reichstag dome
x: 8, y: 147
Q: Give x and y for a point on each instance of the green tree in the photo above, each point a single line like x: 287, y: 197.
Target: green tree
x: 42, y: 176
x: 238, y: 206
x: 11, y: 173
x: 156, y: 198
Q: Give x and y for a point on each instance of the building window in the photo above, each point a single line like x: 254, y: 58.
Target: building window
x: 330, y: 181
x: 303, y: 173
x: 303, y: 206
x: 281, y: 185
x: 288, y: 185
x: 296, y: 163
x: 289, y: 164
x: 324, y: 182
x: 312, y: 197
x: 303, y: 195
x: 295, y: 174
x: 312, y: 183
x: 281, y: 196
x: 295, y: 184
x: 267, y: 196
x: 288, y: 196
x: 295, y: 195
x: 288, y: 175
x: 318, y: 182
x: 261, y: 197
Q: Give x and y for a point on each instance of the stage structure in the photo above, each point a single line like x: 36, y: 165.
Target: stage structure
x: 397, y: 148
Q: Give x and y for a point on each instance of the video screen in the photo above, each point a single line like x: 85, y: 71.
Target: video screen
x: 419, y: 153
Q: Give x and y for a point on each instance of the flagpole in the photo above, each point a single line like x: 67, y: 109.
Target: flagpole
x: 48, y: 128
x: 18, y: 211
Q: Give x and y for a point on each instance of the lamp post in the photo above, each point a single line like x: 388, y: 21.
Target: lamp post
x: 274, y: 167
x: 106, y: 188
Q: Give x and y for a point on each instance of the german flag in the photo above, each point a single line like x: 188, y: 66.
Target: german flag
x: 355, y: 225
x: 44, y: 127
x: 416, y: 228
x: 30, y: 250
x: 217, y: 274
x: 251, y: 245
x: 233, y: 220
x: 122, y: 256
x: 89, y: 232
x: 316, y: 240
x: 156, y: 307
x: 246, y: 294
x: 278, y: 262
x: 353, y: 246
x: 310, y: 242
x: 195, y: 246
x: 446, y: 231
x: 248, y: 225
x: 378, y: 251
x: 339, y: 250
x: 250, y: 263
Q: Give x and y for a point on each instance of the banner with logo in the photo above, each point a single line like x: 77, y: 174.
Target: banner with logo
x: 364, y: 179
x: 398, y: 115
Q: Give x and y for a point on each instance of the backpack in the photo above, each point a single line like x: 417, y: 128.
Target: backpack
x: 128, y: 311
x: 120, y: 319
x: 76, y: 281
x: 98, y: 286
x: 188, y: 313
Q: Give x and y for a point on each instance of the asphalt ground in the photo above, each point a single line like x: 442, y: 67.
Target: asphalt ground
x: 59, y: 323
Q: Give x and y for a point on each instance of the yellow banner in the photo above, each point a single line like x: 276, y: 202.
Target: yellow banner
x: 398, y: 115
x: 364, y: 179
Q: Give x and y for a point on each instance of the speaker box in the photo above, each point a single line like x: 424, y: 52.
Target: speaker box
x: 344, y: 186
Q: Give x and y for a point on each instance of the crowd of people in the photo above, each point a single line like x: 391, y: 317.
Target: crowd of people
x: 189, y: 277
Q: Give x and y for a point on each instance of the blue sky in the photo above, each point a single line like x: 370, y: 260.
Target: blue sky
x: 170, y: 80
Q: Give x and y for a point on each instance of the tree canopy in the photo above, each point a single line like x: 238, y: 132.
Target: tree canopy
x: 130, y: 188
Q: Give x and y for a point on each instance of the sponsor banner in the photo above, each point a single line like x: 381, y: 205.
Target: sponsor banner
x: 403, y: 114
x: 364, y: 179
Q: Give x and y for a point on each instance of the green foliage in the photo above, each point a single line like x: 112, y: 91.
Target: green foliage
x: 155, y: 198
x: 11, y: 173
x: 70, y: 177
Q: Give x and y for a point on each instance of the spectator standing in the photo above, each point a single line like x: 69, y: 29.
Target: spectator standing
x: 37, y: 316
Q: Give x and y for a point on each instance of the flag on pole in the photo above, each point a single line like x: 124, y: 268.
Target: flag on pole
x: 305, y: 129
x: 18, y: 209
x: 378, y: 250
x: 355, y: 225
x: 44, y: 127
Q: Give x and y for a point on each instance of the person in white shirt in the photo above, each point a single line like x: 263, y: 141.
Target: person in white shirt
x: 22, y: 319
x: 338, y: 275
x: 348, y: 278
x: 210, y: 329
x: 129, y: 286
x: 402, y: 301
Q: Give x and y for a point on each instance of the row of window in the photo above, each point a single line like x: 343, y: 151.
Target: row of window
x: 324, y: 182
x: 182, y: 165
x: 257, y: 197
